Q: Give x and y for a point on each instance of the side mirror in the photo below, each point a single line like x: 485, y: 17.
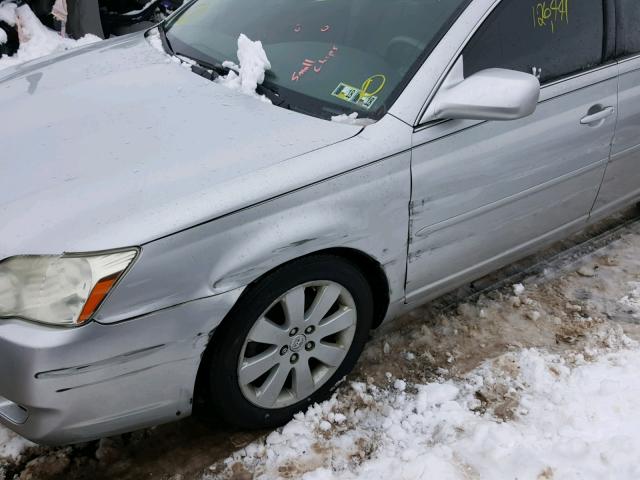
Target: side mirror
x: 493, y: 94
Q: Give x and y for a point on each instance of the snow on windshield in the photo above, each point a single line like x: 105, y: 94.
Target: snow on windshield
x: 352, y: 119
x: 250, y: 73
x: 36, y: 39
x: 243, y: 78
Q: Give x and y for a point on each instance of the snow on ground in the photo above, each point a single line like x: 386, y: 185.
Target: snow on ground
x: 533, y: 382
x: 8, y: 13
x: 632, y: 299
x: 573, y: 419
x: 11, y: 445
x: 37, y: 40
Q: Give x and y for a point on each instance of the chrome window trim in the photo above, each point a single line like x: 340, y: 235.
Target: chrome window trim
x: 628, y: 58
x: 628, y: 64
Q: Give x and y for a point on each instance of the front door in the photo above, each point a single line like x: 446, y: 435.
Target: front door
x: 483, y: 192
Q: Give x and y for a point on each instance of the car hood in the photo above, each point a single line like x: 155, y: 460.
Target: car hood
x: 117, y: 144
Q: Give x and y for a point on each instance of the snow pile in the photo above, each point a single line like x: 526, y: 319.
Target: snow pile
x: 8, y: 13
x: 632, y: 300
x: 36, y: 39
x: 528, y: 414
x: 251, y: 72
x: 11, y: 444
x: 518, y: 289
x: 153, y: 37
x: 352, y: 119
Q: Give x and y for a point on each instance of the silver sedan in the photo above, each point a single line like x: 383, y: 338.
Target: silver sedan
x: 165, y: 239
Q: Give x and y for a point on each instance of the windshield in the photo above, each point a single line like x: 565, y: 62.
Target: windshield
x: 328, y: 57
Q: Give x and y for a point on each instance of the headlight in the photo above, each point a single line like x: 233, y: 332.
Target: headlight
x: 59, y: 290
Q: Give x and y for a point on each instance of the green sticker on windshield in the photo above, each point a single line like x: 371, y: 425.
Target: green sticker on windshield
x: 364, y: 96
x: 354, y: 95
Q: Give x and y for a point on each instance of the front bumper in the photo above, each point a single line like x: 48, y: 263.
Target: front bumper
x: 60, y: 386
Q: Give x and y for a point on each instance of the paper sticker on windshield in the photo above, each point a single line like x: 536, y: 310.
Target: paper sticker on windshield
x: 365, y: 96
x: 354, y: 95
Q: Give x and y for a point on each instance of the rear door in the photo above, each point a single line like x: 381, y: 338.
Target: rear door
x: 483, y: 192
x: 621, y: 183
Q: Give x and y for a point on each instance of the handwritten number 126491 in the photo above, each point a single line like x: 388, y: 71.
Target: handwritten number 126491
x: 550, y: 14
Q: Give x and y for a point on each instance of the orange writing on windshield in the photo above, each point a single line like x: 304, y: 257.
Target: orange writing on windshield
x: 313, y: 65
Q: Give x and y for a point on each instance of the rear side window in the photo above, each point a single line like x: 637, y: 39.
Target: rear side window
x: 628, y: 27
x: 551, y: 39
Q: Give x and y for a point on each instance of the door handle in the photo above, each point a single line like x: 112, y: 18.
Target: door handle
x: 597, y: 116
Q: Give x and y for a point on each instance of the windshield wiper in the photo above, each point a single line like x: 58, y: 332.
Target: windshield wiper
x: 211, y: 71
x: 272, y: 94
x: 205, y: 69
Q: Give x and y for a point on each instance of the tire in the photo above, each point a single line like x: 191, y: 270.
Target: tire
x: 231, y: 360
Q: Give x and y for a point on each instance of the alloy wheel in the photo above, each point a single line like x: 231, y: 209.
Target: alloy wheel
x: 297, y: 344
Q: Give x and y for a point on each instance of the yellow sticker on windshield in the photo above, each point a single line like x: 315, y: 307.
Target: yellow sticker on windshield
x: 373, y: 85
x: 365, y: 96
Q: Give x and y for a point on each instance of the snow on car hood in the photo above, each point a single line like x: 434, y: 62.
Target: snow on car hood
x: 115, y: 144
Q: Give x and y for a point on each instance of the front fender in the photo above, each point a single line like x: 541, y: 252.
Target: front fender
x: 365, y: 209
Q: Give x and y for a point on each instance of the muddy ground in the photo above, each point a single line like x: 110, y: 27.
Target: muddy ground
x: 571, y: 291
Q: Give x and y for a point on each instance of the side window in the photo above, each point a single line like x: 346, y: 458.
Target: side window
x: 627, y: 27
x: 551, y: 38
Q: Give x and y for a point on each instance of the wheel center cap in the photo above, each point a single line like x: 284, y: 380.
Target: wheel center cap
x: 297, y: 342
